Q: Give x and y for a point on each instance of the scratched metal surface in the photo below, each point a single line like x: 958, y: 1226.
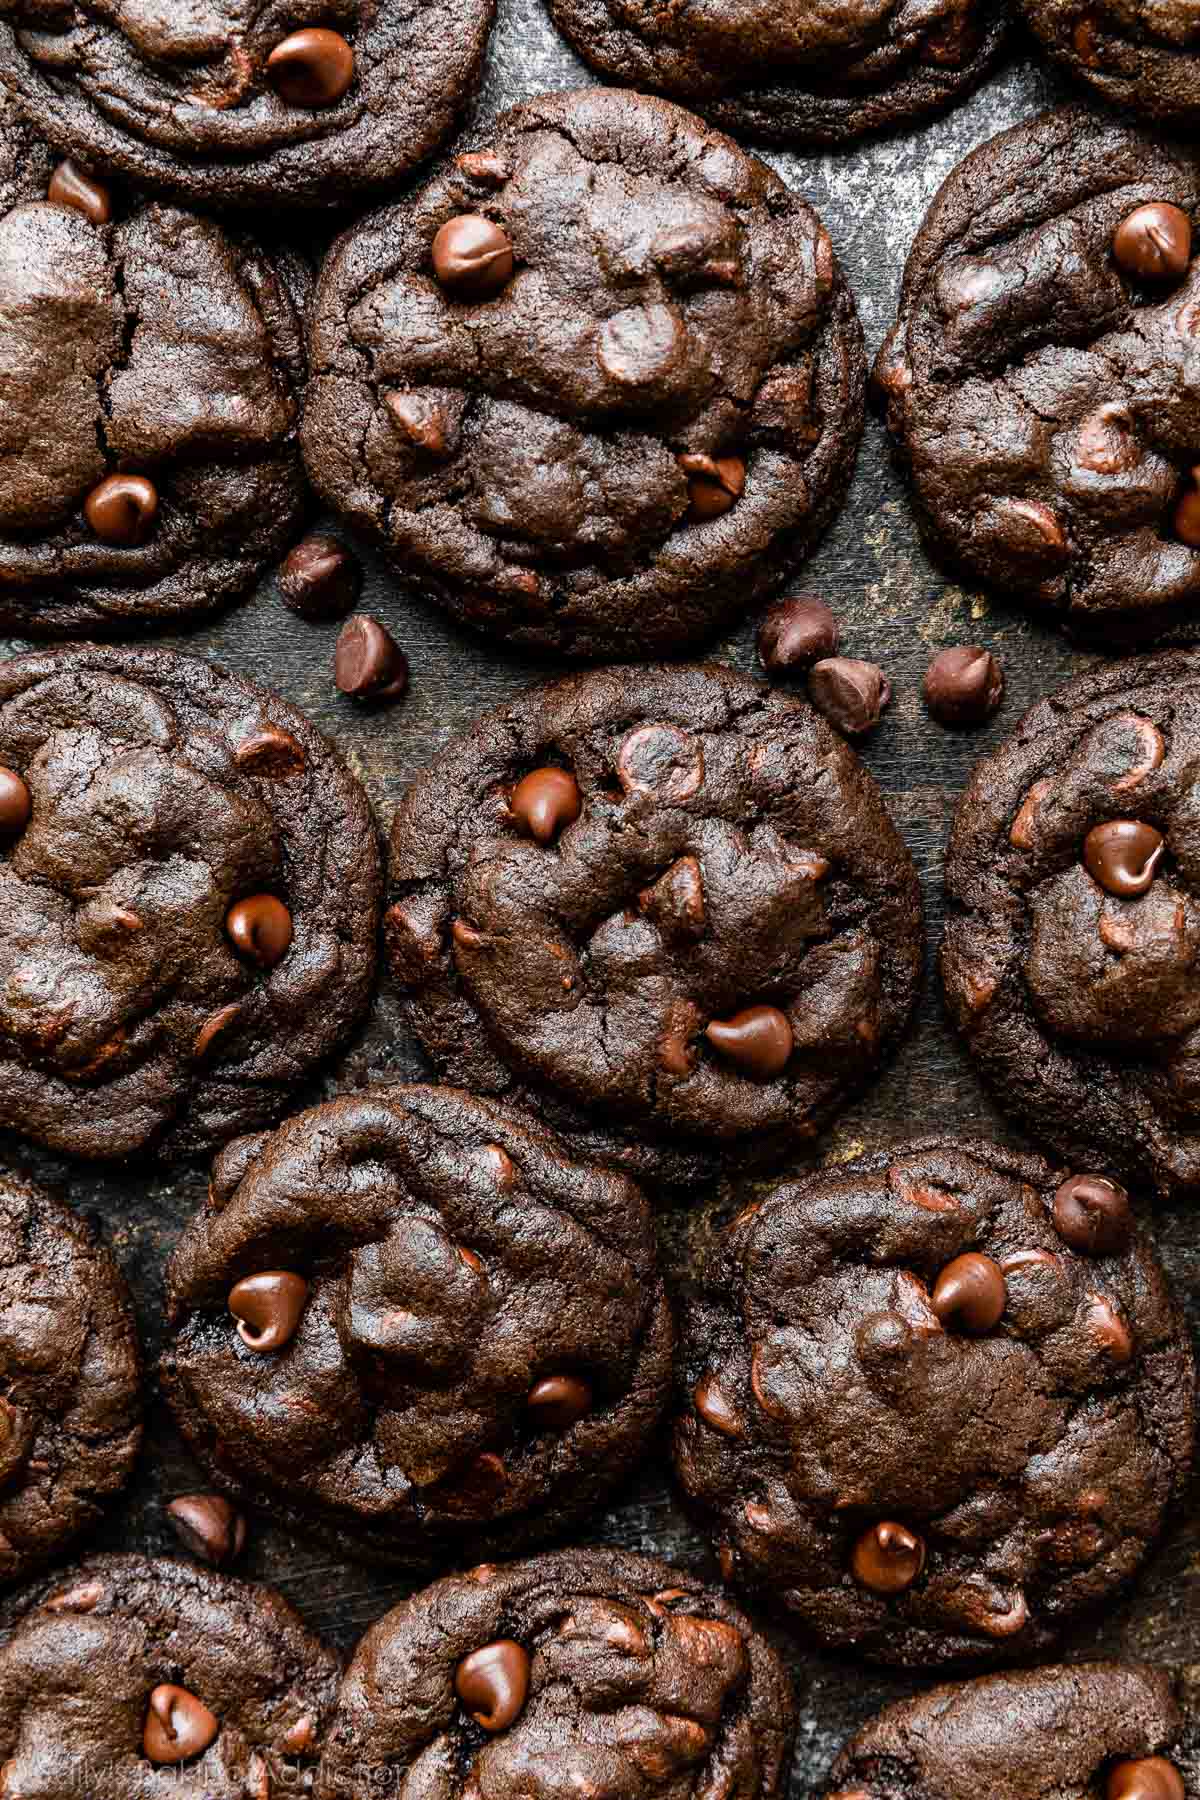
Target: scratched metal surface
x: 896, y: 608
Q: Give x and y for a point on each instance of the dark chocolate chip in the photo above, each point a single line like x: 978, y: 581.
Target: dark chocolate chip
x: 970, y: 1292
x: 368, y: 663
x: 418, y: 419
x: 493, y: 1683
x: 759, y: 1040
x: 178, y: 1726
x: 1145, y: 1778
x: 964, y: 685
x: 74, y: 187
x: 321, y: 579
x: 888, y: 1558
x: 1186, y: 518
x: 209, y: 1527
x: 545, y: 802
x: 797, y: 633
x: 311, y: 68
x: 472, y: 257
x: 268, y: 1308
x: 1091, y: 1213
x: 851, y: 694
x: 715, y: 483
x: 1154, y: 242
x: 16, y: 803
x: 1122, y: 855
x: 558, y: 1402
x: 261, y: 929
x: 122, y: 509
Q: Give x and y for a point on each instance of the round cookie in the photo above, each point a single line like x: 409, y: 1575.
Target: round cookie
x: 664, y: 909
x: 150, y: 465
x: 792, y: 73
x: 1073, y: 882
x: 231, y: 103
x: 1141, y: 59
x: 135, y: 1678
x: 597, y: 387
x: 934, y: 1402
x: 411, y: 1323
x: 70, y: 1371
x: 189, y: 891
x: 1094, y: 1731
x: 1038, y: 381
x: 586, y: 1672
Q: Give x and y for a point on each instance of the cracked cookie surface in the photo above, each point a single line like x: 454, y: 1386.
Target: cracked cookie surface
x: 935, y: 1402
x: 482, y: 1347
x: 188, y: 901
x: 1142, y: 57
x: 1042, y: 381
x: 665, y: 909
x: 597, y: 387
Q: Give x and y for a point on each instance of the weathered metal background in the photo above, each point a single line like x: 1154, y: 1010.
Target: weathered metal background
x: 897, y: 609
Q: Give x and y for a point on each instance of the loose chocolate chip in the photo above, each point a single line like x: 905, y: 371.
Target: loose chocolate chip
x: 368, y: 663
x: 1186, y: 518
x: 545, y: 802
x: 1145, y: 1778
x: 558, y: 1402
x: 888, y: 1558
x: 261, y: 929
x: 311, y: 68
x: 16, y: 803
x: 963, y: 685
x: 970, y: 1292
x: 1154, y: 242
x: 472, y: 257
x: 178, y: 1726
x: 797, y: 633
x: 122, y: 510
x: 759, y: 1040
x: 74, y: 187
x: 320, y: 579
x: 419, y: 419
x: 715, y: 483
x: 1122, y: 855
x: 851, y: 694
x: 1091, y: 1213
x: 493, y: 1683
x: 268, y: 1308
x: 209, y: 1527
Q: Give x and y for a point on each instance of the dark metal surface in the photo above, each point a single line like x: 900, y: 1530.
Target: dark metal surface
x: 896, y: 609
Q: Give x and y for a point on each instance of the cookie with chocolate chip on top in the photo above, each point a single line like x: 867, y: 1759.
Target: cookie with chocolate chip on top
x: 663, y: 909
x: 585, y: 1672
x: 596, y: 387
x: 934, y: 1403
x: 417, y: 1327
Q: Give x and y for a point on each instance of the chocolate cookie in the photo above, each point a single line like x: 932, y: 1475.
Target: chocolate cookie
x: 665, y: 909
x: 136, y: 1677
x: 149, y: 455
x: 1039, y: 380
x: 188, y: 901
x: 412, y: 1323
x: 1074, y: 888
x: 1095, y: 1731
x: 934, y: 1402
x: 70, y: 1378
x: 589, y: 1672
x: 1144, y: 59
x: 793, y: 73
x: 233, y: 103
x: 596, y: 387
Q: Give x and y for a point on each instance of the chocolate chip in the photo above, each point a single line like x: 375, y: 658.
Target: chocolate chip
x: 122, y: 510
x: 209, y: 1527
x: 558, y: 1402
x: 759, y: 1040
x: 368, y: 663
x: 882, y: 1338
x: 888, y: 1558
x: 676, y: 901
x: 16, y: 803
x: 493, y: 1683
x: 1154, y: 242
x: 74, y: 187
x: 268, y: 1308
x: 970, y: 1292
x: 270, y: 752
x: 472, y: 257
x: 320, y: 579
x: 545, y: 802
x: 486, y: 167
x: 1122, y: 855
x: 1091, y: 1213
x: 311, y: 68
x: 214, y: 1029
x: 797, y: 633
x: 715, y: 483
x: 261, y: 929
x: 715, y: 1409
x: 1145, y: 1778
x: 963, y: 685
x: 851, y: 694
x: 662, y: 760
x: 1186, y: 518
x: 178, y: 1726
x: 418, y: 419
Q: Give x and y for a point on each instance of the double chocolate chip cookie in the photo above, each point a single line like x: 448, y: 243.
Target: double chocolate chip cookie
x: 1095, y: 1731
x: 596, y: 387
x: 232, y: 103
x: 1042, y: 380
x: 139, y: 1676
x: 70, y: 1378
x: 1144, y: 59
x: 410, y: 1322
x: 149, y: 413
x: 589, y: 1672
x: 188, y: 901
x: 1069, y: 961
x: 665, y: 909
x: 792, y: 72
x: 934, y: 1402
